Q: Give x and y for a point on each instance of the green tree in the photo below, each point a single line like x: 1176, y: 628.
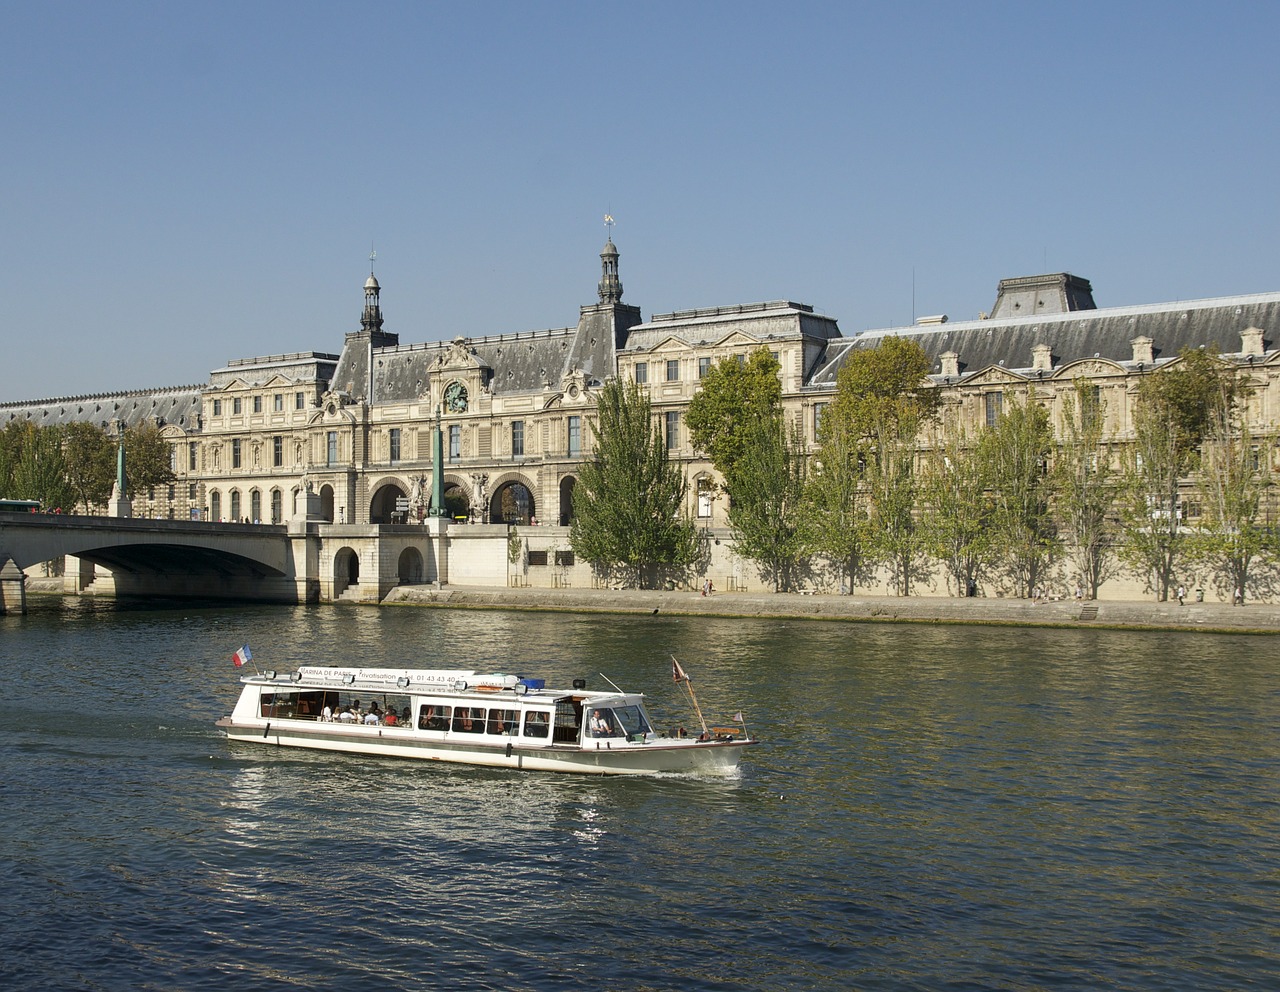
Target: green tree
x: 883, y: 401
x: 12, y: 438
x: 766, y: 499
x: 836, y: 510
x: 90, y: 458
x: 899, y: 540
x: 41, y: 470
x: 734, y: 397
x: 882, y: 390
x: 1015, y: 453
x: 628, y: 504
x: 1233, y: 480
x: 148, y: 458
x: 1086, y: 487
x: 1170, y: 420
x: 957, y: 509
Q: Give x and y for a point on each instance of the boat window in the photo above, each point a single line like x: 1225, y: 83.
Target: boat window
x: 503, y: 722
x: 468, y: 720
x: 434, y: 717
x: 537, y: 723
x: 384, y: 710
x: 304, y: 705
x: 618, y: 721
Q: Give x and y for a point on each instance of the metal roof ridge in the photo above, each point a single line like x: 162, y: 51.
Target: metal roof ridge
x: 1070, y: 315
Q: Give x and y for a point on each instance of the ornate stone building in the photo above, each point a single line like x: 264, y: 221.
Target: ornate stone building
x: 515, y: 409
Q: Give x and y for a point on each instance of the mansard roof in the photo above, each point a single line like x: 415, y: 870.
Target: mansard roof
x: 300, y: 366
x: 1077, y: 335
x: 776, y: 320
x: 178, y: 405
x: 521, y: 362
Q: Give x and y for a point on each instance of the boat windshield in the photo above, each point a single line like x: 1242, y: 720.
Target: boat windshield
x: 619, y: 721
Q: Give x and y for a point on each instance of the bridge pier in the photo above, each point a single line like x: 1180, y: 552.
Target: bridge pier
x: 13, y: 586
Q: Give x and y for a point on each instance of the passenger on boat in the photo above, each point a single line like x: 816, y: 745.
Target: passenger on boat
x: 346, y: 716
x: 326, y: 714
x: 371, y: 719
x: 389, y: 718
x: 405, y: 717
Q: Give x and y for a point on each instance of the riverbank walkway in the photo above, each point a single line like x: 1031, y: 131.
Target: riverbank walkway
x: 1256, y: 618
x: 1252, y: 618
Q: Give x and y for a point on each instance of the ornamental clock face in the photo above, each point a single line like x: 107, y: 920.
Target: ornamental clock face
x: 455, y: 398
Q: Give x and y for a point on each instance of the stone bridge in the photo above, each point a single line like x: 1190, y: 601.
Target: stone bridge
x: 306, y: 560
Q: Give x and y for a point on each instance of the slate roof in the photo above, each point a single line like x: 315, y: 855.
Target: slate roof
x: 169, y: 405
x: 1104, y: 333
x: 521, y: 362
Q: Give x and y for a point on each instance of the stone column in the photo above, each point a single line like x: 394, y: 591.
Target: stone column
x: 13, y: 586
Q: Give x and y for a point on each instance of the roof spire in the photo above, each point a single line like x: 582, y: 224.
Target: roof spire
x: 371, y: 320
x: 610, y: 285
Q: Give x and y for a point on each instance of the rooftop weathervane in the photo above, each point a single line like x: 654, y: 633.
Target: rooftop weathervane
x: 608, y: 225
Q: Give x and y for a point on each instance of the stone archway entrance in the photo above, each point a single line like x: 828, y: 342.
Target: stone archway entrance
x: 326, y: 502
x: 411, y: 569
x: 512, y: 503
x: 346, y: 571
x: 457, y: 501
x: 382, y: 508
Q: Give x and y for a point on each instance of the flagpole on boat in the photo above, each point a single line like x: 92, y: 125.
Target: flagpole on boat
x: 679, y: 675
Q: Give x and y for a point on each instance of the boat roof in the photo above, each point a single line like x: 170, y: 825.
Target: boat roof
x: 443, y: 681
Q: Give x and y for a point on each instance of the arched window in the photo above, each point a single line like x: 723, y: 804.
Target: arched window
x: 255, y: 506
x: 277, y: 506
x: 215, y: 506
x: 235, y: 506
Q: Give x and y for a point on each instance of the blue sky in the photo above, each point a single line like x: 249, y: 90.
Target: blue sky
x: 190, y: 183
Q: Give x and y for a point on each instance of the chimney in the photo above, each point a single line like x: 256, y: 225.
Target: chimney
x: 1142, y: 351
x: 1251, y: 341
x: 1042, y: 358
x: 950, y: 363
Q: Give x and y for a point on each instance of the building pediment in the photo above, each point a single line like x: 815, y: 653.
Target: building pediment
x: 1089, y: 368
x: 668, y: 344
x: 994, y: 375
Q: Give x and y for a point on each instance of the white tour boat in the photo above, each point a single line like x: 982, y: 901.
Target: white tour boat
x: 471, y: 718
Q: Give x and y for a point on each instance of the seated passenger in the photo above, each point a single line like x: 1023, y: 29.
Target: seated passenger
x: 346, y: 716
x: 389, y: 718
x: 326, y: 714
x: 404, y: 716
x: 370, y: 719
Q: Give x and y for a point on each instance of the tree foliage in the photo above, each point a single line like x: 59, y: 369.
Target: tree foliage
x: 1171, y: 417
x: 836, y: 509
x: 1086, y: 488
x: 1015, y: 453
x: 957, y: 511
x: 148, y: 458
x: 1232, y: 481
x: 628, y: 504
x: 766, y: 498
x: 735, y: 396
x: 882, y: 390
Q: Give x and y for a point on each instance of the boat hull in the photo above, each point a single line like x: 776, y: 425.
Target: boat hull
x: 663, y: 756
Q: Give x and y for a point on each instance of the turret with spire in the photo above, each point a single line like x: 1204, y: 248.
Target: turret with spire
x: 610, y: 284
x: 371, y: 321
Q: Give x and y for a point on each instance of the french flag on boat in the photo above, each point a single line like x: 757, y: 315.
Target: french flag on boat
x: 241, y: 656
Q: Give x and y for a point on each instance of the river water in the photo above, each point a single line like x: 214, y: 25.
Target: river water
x: 933, y: 808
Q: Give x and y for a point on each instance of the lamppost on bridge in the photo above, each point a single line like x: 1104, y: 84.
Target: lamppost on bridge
x: 120, y: 505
